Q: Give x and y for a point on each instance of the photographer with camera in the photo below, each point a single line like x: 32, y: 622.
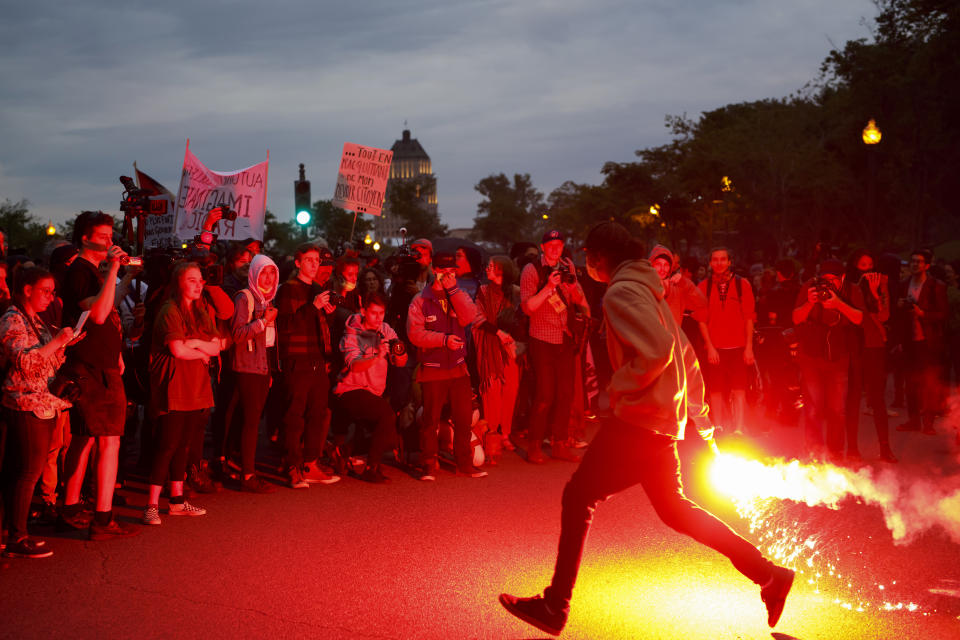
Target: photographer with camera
x: 305, y: 352
x: 369, y: 346
x: 436, y: 325
x: 548, y: 294
x: 825, y: 325
x: 96, y: 366
x: 34, y: 352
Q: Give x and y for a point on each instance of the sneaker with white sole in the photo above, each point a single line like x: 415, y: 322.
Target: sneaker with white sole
x: 151, y: 514
x: 186, y: 509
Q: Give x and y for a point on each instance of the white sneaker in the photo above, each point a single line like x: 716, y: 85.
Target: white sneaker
x: 186, y: 509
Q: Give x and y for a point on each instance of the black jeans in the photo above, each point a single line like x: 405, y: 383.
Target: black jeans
x: 825, y: 396
x: 622, y: 456
x: 250, y: 394
x: 306, y: 386
x: 922, y: 378
x: 28, y: 443
x: 363, y: 406
x: 553, y: 377
x: 435, y: 395
x: 868, y: 373
x: 175, y: 432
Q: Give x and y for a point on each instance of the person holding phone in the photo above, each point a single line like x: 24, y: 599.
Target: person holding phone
x: 34, y: 352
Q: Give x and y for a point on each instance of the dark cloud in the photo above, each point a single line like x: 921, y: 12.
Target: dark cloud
x: 551, y: 88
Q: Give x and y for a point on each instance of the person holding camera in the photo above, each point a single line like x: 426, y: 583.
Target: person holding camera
x: 96, y: 366
x: 34, y: 351
x: 254, y: 359
x: 921, y: 319
x: 548, y: 293
x: 436, y: 325
x: 305, y: 352
x: 184, y: 340
x: 369, y: 345
x: 825, y: 324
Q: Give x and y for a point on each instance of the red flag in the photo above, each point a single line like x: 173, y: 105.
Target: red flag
x: 147, y: 183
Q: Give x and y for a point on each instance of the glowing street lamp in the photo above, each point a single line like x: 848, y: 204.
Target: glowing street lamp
x: 545, y: 217
x: 51, y: 230
x: 655, y: 210
x: 368, y: 239
x: 871, y: 134
x: 376, y: 246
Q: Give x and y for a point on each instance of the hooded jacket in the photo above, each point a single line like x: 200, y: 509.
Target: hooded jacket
x: 680, y: 292
x: 359, y: 342
x: 656, y: 383
x: 248, y: 327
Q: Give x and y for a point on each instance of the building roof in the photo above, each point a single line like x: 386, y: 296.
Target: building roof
x: 408, y: 147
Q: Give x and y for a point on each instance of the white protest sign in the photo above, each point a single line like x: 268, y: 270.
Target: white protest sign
x: 202, y: 189
x: 159, y: 224
x: 362, y: 179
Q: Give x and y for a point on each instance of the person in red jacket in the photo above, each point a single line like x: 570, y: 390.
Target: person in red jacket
x: 655, y: 390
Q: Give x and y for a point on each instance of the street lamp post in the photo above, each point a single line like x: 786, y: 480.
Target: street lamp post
x: 871, y: 137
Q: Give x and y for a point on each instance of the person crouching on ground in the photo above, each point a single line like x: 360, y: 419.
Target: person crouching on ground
x: 366, y: 345
x: 656, y: 381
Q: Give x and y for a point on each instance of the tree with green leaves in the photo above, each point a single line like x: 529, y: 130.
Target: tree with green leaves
x: 335, y: 224
x: 509, y: 211
x: 24, y: 233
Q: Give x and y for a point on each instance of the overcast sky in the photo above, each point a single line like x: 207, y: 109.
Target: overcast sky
x: 553, y: 88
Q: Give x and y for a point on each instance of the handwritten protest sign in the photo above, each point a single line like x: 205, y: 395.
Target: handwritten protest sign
x: 362, y: 179
x: 158, y: 229
x: 202, y: 189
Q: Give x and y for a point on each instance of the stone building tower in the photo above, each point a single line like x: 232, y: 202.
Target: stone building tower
x: 409, y: 162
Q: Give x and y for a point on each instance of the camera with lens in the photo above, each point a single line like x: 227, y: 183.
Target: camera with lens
x: 397, y: 348
x: 226, y: 213
x: 567, y: 276
x: 823, y: 288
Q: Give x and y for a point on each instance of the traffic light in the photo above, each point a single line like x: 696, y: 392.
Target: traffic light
x: 301, y: 199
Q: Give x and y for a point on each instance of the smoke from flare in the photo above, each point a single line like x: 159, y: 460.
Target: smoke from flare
x: 909, y: 506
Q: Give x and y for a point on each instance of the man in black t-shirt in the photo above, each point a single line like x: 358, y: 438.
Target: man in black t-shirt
x: 95, y: 365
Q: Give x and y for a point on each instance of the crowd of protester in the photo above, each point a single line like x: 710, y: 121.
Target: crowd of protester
x: 200, y: 355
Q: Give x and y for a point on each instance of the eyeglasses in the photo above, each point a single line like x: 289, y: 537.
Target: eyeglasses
x: 47, y: 291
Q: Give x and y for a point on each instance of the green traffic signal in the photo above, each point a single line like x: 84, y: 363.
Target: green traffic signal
x: 303, y: 217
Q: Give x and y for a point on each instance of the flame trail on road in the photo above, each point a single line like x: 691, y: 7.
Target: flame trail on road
x: 908, y: 506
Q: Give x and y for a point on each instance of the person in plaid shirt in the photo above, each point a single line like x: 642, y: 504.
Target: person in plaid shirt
x: 546, y: 295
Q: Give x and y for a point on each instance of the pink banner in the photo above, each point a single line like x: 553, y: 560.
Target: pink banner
x: 202, y: 189
x: 362, y: 179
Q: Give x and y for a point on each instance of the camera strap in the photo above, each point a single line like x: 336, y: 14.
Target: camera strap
x: 33, y: 327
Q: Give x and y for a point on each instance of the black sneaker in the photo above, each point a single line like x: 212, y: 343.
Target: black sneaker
x: 535, y: 611
x: 374, y: 476
x: 428, y: 473
x: 256, y: 484
x: 199, y: 480
x: 67, y: 523
x: 27, y: 548
x: 115, y: 529
x: 774, y: 594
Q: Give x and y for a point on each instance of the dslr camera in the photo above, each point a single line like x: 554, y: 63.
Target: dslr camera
x: 823, y: 288
x: 226, y: 213
x: 567, y: 276
x: 397, y: 348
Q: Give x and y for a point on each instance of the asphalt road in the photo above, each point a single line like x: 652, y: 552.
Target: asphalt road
x: 419, y: 560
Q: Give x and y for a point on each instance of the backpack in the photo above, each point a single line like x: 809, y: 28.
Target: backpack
x: 737, y: 282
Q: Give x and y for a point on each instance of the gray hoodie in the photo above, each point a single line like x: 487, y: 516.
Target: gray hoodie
x: 656, y: 382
